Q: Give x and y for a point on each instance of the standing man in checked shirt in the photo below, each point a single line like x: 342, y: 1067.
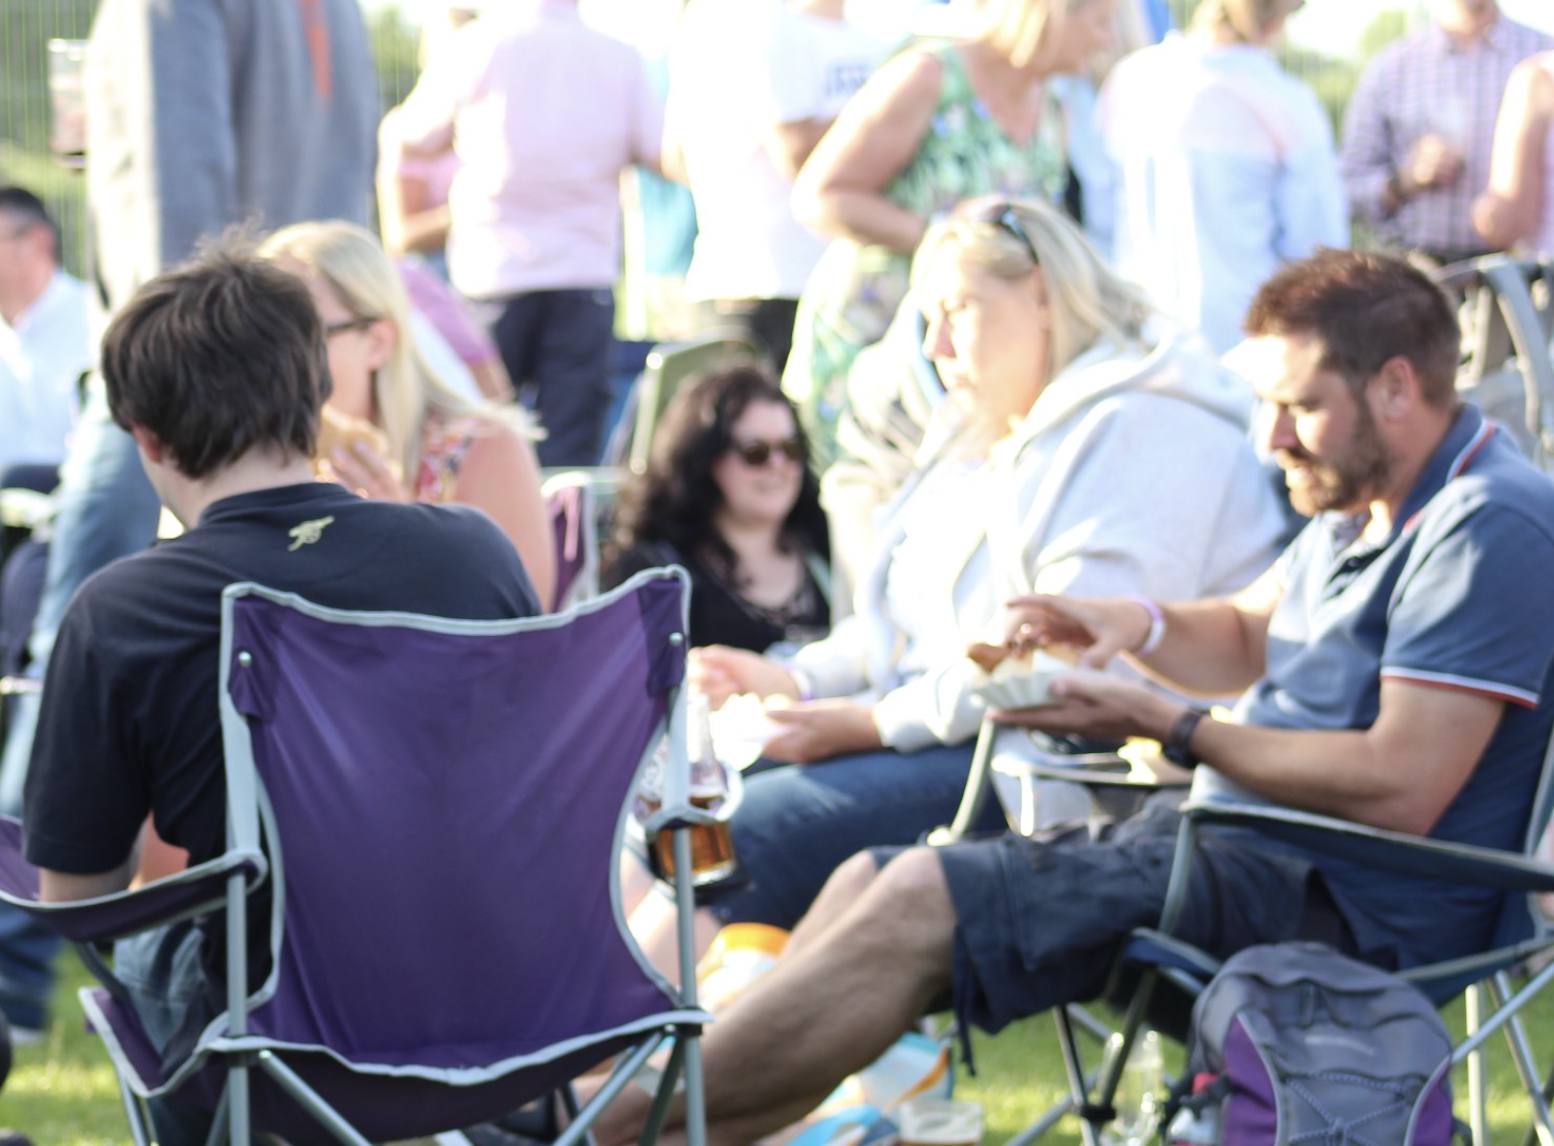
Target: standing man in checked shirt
x: 1417, y: 135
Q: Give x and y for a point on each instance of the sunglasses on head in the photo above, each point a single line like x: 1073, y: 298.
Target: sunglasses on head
x: 757, y: 451
x: 1005, y: 218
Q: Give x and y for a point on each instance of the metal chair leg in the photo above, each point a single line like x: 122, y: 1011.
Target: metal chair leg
x: 135, y: 1111
x: 1478, y: 1102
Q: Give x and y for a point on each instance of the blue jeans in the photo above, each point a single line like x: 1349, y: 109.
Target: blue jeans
x: 107, y: 510
x: 798, y: 822
x: 163, y: 972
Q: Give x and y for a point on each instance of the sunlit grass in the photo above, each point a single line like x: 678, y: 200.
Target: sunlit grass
x: 62, y: 1092
x: 1020, y: 1076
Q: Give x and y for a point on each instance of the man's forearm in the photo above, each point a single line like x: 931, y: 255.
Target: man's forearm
x: 1401, y: 773
x: 1211, y: 648
x: 1332, y: 773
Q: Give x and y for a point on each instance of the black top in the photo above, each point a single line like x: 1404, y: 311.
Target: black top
x: 719, y: 615
x: 129, y: 720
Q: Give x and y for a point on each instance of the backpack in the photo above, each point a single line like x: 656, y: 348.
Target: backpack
x: 1295, y: 1043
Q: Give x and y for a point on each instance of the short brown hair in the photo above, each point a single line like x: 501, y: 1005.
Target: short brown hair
x: 1367, y: 309
x: 221, y: 355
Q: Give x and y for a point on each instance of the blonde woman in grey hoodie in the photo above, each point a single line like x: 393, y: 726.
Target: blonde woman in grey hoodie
x: 1079, y: 453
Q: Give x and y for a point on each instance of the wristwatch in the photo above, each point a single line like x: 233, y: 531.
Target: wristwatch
x: 1175, y: 747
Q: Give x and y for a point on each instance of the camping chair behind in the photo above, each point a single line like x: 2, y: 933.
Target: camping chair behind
x: 1508, y: 324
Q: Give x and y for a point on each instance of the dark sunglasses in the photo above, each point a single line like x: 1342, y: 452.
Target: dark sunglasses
x: 334, y: 328
x: 758, y: 452
x: 1004, y: 217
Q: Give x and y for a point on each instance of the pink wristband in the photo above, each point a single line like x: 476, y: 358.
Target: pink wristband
x: 1157, y: 625
x: 805, y: 685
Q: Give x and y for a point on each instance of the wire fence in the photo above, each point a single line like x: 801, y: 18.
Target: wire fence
x: 26, y: 119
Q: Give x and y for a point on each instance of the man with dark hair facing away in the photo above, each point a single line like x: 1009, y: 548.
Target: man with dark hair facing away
x: 1396, y: 666
x: 200, y: 115
x: 218, y: 370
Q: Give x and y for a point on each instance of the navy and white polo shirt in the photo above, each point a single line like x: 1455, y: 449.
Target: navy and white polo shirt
x: 1461, y: 597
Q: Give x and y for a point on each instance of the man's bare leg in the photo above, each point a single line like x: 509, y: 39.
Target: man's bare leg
x: 829, y: 1010
x: 843, y: 889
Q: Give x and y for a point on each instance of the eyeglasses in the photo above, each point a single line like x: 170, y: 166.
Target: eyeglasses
x: 757, y: 452
x: 333, y: 328
x: 1005, y: 218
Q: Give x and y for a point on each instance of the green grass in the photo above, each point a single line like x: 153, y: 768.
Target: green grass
x: 1020, y: 1075
x: 62, y: 1093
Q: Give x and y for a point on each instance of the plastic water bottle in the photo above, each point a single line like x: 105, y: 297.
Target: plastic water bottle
x: 1138, y: 1091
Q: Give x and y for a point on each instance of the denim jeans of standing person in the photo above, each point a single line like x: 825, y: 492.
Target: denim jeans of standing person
x: 107, y: 510
x: 557, y: 345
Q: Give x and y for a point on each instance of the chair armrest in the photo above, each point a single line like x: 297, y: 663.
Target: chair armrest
x: 196, y: 891
x: 1092, y: 771
x: 1377, y: 847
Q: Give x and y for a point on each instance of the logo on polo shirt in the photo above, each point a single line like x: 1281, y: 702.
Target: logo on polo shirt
x: 307, y: 533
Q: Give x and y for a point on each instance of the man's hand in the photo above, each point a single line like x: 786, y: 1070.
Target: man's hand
x: 719, y: 672
x: 1432, y: 162
x: 1100, y: 707
x: 1096, y: 629
x: 820, y: 729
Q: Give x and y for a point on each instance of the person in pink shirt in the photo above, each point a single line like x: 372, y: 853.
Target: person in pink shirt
x: 544, y: 113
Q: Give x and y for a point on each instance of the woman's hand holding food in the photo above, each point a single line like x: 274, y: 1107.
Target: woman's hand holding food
x: 362, y: 469
x: 354, y: 453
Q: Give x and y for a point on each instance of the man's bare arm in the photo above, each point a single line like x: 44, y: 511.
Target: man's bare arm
x: 1209, y: 647
x: 1399, y: 774
x: 1216, y: 648
x: 66, y: 887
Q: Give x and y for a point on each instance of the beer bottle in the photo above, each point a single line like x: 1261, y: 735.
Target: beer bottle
x: 712, y: 846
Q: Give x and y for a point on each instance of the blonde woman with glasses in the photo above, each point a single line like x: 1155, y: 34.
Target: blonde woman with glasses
x: 393, y: 428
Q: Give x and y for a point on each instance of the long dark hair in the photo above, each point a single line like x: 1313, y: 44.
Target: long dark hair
x: 675, y: 500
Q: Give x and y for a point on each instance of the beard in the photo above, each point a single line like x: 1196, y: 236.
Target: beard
x: 1346, y: 482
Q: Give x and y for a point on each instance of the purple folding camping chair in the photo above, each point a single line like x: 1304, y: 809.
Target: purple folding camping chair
x: 436, y: 807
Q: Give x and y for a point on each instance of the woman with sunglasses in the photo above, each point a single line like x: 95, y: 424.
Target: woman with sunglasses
x: 728, y: 494
x: 1078, y: 453
x: 402, y: 432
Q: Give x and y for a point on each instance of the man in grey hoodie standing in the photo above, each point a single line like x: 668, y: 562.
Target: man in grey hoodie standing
x: 202, y: 114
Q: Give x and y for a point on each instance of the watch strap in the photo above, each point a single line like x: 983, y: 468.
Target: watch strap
x: 1177, y: 745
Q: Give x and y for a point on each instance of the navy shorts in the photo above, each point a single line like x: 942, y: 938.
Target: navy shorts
x: 1040, y: 922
